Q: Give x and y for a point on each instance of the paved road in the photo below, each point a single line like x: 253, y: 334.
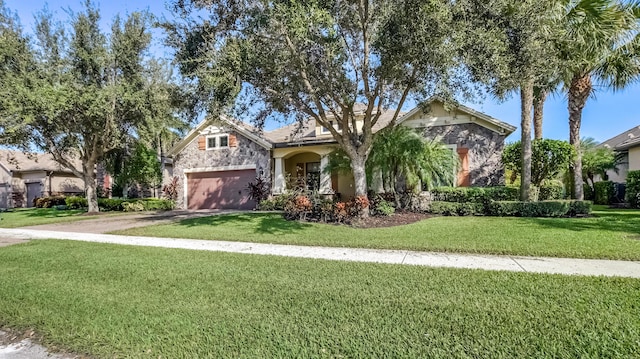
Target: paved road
x: 570, y: 266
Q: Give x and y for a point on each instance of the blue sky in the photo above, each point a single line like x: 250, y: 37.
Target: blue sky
x: 605, y: 116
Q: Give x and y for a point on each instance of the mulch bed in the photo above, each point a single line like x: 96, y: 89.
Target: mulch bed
x: 397, y: 219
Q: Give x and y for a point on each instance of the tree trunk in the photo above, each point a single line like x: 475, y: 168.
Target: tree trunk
x: 90, y: 186
x: 579, y: 92
x: 360, y: 179
x: 526, y: 103
x: 538, y: 113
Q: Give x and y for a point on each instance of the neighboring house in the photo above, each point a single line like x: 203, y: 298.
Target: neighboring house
x: 217, y: 159
x: 627, y: 144
x: 26, y: 177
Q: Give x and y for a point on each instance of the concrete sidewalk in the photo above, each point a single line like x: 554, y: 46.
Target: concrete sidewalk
x: 571, y: 266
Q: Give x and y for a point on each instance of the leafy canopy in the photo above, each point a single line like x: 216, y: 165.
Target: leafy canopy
x: 549, y: 158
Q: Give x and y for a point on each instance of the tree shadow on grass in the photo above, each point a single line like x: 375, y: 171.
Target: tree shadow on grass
x: 46, y: 213
x: 613, y: 221
x: 261, y: 223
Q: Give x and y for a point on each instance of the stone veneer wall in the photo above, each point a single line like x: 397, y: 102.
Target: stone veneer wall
x: 485, y: 150
x: 246, y: 152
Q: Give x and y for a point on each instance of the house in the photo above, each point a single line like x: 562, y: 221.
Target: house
x: 217, y: 159
x: 627, y: 144
x: 24, y: 177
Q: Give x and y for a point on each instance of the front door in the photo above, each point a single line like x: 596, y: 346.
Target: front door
x: 33, y: 192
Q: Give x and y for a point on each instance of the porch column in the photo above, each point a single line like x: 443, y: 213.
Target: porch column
x: 279, y: 183
x: 325, y: 178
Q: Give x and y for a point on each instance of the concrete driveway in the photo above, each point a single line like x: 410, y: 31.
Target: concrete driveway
x: 105, y: 223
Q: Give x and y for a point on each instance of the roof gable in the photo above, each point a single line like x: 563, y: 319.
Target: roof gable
x: 204, y: 128
x: 458, y: 114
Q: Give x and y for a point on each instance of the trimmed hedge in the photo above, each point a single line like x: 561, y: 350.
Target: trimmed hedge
x: 457, y: 208
x: 514, y: 208
x: 475, y: 194
x: 135, y: 205
x: 551, y: 192
x: 76, y: 202
x: 604, y: 192
x: 633, y: 189
x: 49, y: 202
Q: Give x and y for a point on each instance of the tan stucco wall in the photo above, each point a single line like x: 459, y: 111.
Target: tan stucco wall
x: 288, y: 152
x: 634, y: 159
x: 65, y: 184
x: 346, y: 186
x: 5, y: 176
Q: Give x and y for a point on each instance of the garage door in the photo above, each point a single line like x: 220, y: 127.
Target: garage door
x: 220, y: 190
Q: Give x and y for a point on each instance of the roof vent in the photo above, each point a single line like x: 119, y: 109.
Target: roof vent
x: 631, y: 135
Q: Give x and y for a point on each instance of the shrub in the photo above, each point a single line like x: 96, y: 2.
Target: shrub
x: 133, y: 206
x: 148, y: 204
x: 382, y: 208
x: 76, y: 202
x: 552, y: 191
x: 110, y: 204
x: 278, y: 202
x: 456, y: 208
x: 170, y: 190
x: 49, y: 202
x: 475, y: 194
x: 154, y: 204
x: 297, y: 208
x: 357, y: 205
x: 633, y: 189
x: 539, y: 209
x: 604, y: 192
x: 579, y: 208
x: 259, y: 189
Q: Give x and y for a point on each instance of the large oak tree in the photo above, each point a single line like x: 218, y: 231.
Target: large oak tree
x: 311, y: 59
x: 74, y: 91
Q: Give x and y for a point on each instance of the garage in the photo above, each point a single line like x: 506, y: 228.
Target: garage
x: 220, y: 189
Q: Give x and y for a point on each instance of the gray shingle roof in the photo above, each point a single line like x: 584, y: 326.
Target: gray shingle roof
x: 18, y: 161
x: 623, y: 140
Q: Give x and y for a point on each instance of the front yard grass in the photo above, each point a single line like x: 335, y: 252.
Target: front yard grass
x: 35, y: 216
x: 609, y: 234
x: 124, y: 301
x: 23, y: 217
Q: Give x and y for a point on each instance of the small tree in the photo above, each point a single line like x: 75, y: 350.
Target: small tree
x: 596, y: 161
x: 549, y: 159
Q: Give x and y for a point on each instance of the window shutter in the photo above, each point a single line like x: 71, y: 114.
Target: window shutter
x: 464, y: 179
x: 233, y: 141
x: 202, y: 143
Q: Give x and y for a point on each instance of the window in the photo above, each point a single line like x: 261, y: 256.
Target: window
x: 337, y: 126
x: 217, y: 142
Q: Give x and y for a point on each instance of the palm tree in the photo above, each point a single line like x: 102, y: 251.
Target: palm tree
x: 402, y: 153
x: 600, y: 44
x: 596, y: 161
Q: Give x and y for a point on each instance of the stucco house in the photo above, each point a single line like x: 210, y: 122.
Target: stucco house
x: 218, y: 158
x: 627, y: 144
x: 25, y: 177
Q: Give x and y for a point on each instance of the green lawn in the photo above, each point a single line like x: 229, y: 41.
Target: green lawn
x: 122, y: 301
x: 610, y: 234
x: 36, y: 216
